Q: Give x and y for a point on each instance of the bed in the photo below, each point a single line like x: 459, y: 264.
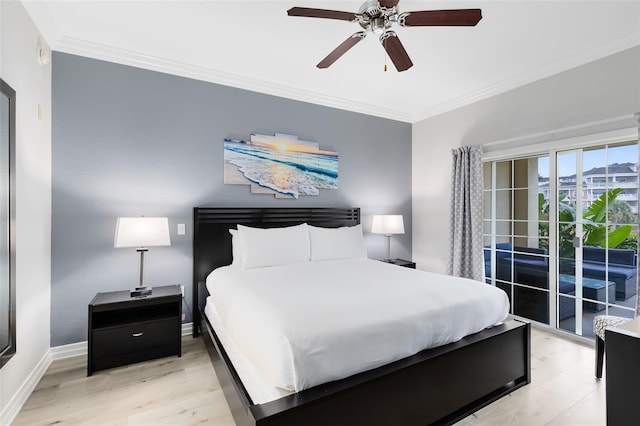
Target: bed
x: 439, y: 385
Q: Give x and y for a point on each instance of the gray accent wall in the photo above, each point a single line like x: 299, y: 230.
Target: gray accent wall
x: 131, y: 142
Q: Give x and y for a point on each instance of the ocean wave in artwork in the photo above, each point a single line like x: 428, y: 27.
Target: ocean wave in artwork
x: 288, y: 173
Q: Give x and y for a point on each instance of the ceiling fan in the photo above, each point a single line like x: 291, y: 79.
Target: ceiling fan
x: 377, y: 16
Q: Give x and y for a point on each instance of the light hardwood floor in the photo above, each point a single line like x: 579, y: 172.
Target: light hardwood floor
x: 169, y: 391
x: 184, y: 391
x: 563, y: 388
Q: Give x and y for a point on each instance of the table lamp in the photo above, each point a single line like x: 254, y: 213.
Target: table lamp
x: 387, y: 224
x: 142, y: 232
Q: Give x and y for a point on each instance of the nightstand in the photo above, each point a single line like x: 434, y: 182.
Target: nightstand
x: 401, y: 262
x: 125, y: 329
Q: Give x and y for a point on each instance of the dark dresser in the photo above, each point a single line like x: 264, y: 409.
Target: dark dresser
x: 622, y: 346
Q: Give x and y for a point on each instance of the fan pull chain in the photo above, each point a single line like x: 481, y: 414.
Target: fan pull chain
x: 384, y: 45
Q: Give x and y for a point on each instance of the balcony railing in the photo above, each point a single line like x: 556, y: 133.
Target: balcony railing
x: 611, y: 185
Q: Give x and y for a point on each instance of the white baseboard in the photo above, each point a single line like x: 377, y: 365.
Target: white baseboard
x: 187, y: 329
x: 12, y: 409
x: 68, y: 351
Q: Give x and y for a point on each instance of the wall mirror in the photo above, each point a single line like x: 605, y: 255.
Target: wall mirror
x: 7, y: 223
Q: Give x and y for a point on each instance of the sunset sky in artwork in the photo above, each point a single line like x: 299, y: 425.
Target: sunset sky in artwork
x: 284, y: 142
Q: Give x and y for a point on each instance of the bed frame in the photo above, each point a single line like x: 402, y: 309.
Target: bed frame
x: 436, y: 386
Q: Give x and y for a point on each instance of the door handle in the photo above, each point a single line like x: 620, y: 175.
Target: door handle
x: 137, y: 334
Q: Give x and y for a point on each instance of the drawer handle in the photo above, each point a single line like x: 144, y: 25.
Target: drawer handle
x: 137, y: 334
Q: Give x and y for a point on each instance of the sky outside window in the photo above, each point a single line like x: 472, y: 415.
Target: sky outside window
x: 590, y: 160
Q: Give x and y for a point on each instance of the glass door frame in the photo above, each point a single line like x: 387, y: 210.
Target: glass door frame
x: 577, y: 244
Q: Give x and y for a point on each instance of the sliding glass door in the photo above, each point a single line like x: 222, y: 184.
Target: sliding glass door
x: 597, y: 231
x: 560, y: 234
x: 516, y: 236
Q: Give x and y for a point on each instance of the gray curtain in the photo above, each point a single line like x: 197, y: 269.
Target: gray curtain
x: 466, y: 258
x: 637, y: 115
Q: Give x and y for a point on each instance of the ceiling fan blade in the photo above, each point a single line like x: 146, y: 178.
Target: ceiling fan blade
x: 395, y: 50
x: 342, y: 49
x: 321, y: 13
x: 388, y: 3
x: 428, y: 18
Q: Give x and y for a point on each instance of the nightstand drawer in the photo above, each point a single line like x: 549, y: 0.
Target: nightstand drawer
x: 117, y: 341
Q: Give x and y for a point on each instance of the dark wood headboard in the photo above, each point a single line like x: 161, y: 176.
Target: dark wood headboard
x: 212, y: 241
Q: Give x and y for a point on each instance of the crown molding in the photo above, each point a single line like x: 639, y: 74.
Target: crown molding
x: 103, y: 52
x: 582, y: 58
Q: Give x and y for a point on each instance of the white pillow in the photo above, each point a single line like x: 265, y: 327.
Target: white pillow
x: 274, y: 246
x: 337, y: 243
x: 236, y: 251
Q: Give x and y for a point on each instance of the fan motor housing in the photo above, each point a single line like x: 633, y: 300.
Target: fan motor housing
x: 370, y: 8
x: 371, y: 16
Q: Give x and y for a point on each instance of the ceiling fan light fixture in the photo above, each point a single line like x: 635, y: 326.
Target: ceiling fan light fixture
x: 378, y: 25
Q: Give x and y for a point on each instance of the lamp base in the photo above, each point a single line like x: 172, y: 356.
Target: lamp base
x: 141, y: 292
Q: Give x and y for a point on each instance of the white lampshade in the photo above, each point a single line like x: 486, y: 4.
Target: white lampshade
x: 387, y: 224
x: 142, y: 232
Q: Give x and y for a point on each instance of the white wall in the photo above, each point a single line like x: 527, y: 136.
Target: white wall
x: 32, y: 83
x: 594, y: 92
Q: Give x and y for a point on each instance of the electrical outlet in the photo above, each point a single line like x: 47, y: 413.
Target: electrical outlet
x: 181, y: 229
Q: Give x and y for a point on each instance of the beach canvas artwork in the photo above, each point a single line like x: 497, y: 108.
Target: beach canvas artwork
x: 282, y: 165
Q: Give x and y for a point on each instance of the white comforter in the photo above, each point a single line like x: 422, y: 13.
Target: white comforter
x: 313, y: 322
